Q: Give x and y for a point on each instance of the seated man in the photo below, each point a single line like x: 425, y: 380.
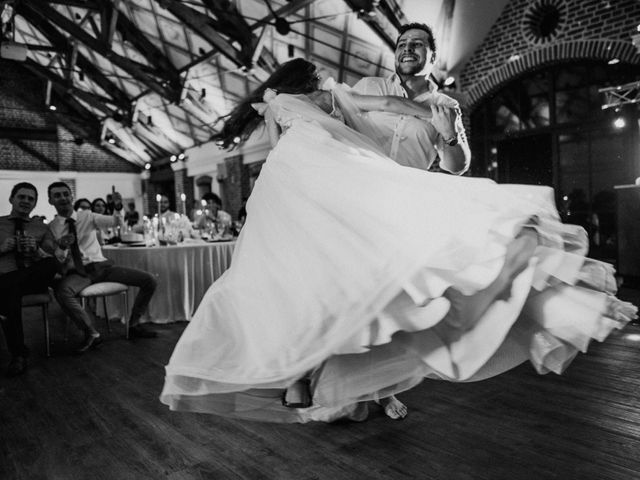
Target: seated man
x: 79, y: 251
x: 166, y: 214
x: 212, y: 216
x: 24, y: 267
x: 132, y: 217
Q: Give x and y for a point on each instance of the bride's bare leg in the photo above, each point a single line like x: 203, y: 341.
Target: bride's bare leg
x: 393, y: 408
x: 466, y: 310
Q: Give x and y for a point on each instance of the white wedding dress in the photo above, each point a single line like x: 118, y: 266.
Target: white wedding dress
x: 340, y: 270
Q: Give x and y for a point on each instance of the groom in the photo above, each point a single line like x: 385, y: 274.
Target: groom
x: 408, y: 140
x: 411, y: 141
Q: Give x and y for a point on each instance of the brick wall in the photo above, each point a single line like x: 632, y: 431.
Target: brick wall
x: 588, y: 29
x: 33, y: 138
x: 232, y: 185
x: 183, y: 184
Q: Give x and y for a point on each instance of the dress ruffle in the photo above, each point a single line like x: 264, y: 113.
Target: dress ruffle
x: 340, y: 274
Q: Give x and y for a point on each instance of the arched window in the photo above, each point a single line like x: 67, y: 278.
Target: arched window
x: 548, y: 127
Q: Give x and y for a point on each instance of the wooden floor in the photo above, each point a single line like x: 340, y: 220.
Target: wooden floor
x: 98, y: 417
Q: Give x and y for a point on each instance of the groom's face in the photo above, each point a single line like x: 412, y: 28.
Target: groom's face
x: 413, y: 53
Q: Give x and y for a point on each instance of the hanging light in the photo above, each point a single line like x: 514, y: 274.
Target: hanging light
x: 282, y: 26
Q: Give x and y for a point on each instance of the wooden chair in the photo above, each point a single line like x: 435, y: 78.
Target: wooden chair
x: 104, y: 290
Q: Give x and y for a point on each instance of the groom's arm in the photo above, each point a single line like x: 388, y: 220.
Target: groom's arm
x: 448, y: 122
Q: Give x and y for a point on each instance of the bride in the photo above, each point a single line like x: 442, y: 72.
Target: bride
x: 356, y: 278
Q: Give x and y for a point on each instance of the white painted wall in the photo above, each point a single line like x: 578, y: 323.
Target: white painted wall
x: 88, y: 184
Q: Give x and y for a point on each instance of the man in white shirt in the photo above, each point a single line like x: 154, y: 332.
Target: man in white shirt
x: 408, y: 140
x: 83, y: 264
x: 166, y: 214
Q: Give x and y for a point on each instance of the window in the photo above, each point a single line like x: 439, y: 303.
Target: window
x: 588, y: 156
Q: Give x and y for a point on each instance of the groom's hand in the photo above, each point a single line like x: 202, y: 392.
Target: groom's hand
x: 444, y: 120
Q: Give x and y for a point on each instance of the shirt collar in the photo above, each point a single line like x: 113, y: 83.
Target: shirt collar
x: 62, y: 219
x: 395, y: 79
x: 25, y: 220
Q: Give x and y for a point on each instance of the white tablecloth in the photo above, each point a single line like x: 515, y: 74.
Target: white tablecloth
x: 184, y: 273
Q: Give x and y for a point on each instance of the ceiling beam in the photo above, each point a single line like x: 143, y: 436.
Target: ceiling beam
x: 63, y: 44
x: 384, y: 17
x: 230, y: 22
x: 291, y: 7
x: 43, y: 48
x: 40, y: 8
x: 234, y: 25
x: 108, y: 18
x: 72, y: 58
x: 63, y: 89
x: 35, y: 153
x: 88, y: 4
x: 29, y: 134
x: 201, y: 24
x: 393, y: 12
x: 162, y: 65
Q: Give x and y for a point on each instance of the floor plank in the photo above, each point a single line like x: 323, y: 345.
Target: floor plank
x: 97, y: 416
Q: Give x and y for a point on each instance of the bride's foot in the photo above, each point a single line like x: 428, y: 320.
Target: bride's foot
x: 393, y: 408
x: 297, y: 395
x: 466, y: 310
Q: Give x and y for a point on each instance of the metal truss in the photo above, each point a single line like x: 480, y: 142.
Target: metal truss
x: 621, y: 95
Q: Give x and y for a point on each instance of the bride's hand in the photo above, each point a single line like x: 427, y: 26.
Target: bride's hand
x: 269, y: 94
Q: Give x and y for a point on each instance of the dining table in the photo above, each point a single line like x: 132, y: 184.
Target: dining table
x: 184, y: 272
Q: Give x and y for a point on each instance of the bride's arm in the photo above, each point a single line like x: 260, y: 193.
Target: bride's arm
x: 273, y: 130
x: 400, y: 105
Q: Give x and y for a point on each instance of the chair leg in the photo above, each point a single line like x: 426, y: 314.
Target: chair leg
x: 106, y: 314
x: 126, y: 313
x: 45, y: 316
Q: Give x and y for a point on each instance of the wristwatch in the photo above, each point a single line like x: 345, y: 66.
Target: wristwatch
x: 452, y: 142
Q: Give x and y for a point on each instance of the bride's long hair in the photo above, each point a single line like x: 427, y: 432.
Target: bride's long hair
x: 296, y: 76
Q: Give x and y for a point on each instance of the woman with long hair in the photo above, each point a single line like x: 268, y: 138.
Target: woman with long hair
x: 356, y: 278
